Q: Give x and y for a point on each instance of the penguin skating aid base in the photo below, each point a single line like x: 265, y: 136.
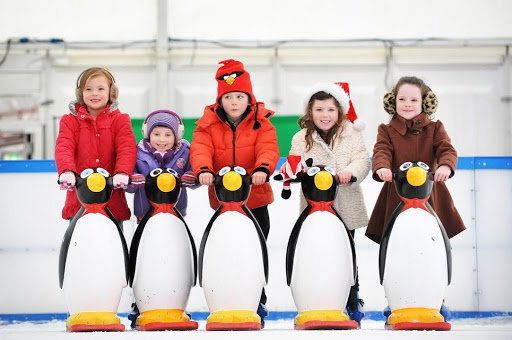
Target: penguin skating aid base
x: 169, y: 326
x: 326, y: 325
x: 96, y: 328
x: 420, y: 326
x: 233, y: 326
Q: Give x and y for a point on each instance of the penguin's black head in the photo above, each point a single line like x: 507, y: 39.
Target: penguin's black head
x: 414, y: 180
x: 94, y: 186
x: 232, y: 184
x: 320, y: 183
x: 163, y: 186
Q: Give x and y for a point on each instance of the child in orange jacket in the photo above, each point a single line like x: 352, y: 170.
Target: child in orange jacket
x: 236, y: 130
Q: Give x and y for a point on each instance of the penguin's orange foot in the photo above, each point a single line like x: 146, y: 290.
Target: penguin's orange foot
x: 93, y: 322
x: 417, y: 319
x: 233, y: 320
x: 324, y: 319
x: 165, y: 320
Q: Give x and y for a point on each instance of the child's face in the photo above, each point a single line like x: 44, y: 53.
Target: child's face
x: 325, y: 114
x: 161, y: 138
x: 96, y: 93
x: 235, y: 104
x: 408, y: 101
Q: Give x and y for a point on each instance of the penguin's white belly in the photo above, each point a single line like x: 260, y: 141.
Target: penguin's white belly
x: 94, y: 275
x: 233, y: 273
x: 322, y: 265
x: 416, y: 272
x: 164, y: 271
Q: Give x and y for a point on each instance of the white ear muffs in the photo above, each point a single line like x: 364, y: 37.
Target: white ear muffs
x: 181, y: 127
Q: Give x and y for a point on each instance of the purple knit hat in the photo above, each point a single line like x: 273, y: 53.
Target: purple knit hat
x: 165, y: 118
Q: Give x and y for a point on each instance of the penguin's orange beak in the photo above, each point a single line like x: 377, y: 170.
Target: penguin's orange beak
x: 166, y: 182
x: 416, y: 176
x: 232, y: 181
x: 96, y: 182
x: 323, y: 180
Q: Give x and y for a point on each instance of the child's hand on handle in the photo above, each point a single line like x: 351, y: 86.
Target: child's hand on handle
x: 259, y: 178
x: 385, y: 174
x: 67, y: 180
x: 137, y: 180
x: 344, y: 176
x: 188, y: 179
x: 206, y: 178
x: 442, y: 173
x: 120, y: 181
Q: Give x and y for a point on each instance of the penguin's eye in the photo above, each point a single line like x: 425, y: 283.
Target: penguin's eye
x: 240, y: 170
x: 172, y: 171
x: 86, y: 173
x: 313, y: 171
x: 224, y: 170
x: 155, y: 172
x: 330, y: 170
x: 423, y: 165
x: 405, y: 166
x: 103, y: 172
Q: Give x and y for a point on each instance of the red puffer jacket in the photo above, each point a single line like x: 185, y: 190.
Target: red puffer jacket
x: 252, y: 145
x: 107, y: 142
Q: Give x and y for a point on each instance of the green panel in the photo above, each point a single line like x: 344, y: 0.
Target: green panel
x: 286, y: 127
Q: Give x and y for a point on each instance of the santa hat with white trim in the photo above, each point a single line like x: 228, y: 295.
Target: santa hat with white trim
x: 340, y: 92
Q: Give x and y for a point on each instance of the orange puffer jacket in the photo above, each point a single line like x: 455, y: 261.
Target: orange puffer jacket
x: 251, y: 145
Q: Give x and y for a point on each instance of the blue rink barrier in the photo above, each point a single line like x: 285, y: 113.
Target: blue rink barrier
x: 201, y: 316
x: 465, y: 163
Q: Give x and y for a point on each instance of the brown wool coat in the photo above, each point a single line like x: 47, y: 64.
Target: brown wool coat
x: 425, y: 141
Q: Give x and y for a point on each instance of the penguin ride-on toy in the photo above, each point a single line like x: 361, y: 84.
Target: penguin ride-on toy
x: 93, y: 262
x: 320, y: 258
x: 415, y: 255
x: 233, y: 259
x: 163, y: 258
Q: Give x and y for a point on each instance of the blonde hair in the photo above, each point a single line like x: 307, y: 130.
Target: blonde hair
x: 306, y: 121
x: 92, y: 72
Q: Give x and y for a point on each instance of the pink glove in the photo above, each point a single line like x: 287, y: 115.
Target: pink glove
x: 67, y: 180
x: 138, y: 180
x: 120, y: 181
x: 188, y: 179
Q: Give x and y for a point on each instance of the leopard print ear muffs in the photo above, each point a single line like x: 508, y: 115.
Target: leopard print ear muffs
x: 429, y: 103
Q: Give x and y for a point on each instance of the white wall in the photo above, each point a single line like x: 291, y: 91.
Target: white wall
x: 132, y: 20
x: 31, y: 232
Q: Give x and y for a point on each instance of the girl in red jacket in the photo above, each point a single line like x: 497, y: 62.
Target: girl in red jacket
x: 95, y: 134
x: 236, y: 130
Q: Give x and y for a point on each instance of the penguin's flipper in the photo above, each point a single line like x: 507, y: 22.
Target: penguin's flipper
x: 203, y: 244
x: 134, y: 247
x: 292, y: 243
x: 263, y: 242
x: 65, y: 245
x: 385, y: 240
x: 193, y: 246
x: 352, y: 244
x: 447, y: 243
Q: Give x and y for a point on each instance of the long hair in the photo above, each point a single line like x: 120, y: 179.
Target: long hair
x: 306, y: 121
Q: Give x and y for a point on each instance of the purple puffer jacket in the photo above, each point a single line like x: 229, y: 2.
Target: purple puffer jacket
x: 147, y: 162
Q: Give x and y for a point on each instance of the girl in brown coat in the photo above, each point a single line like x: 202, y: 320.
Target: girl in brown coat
x: 411, y: 135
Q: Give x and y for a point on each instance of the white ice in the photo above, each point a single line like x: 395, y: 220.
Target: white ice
x: 467, y: 329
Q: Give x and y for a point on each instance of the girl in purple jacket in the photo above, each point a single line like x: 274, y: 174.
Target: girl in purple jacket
x: 162, y: 146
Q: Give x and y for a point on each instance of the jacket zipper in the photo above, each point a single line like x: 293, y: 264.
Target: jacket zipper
x: 233, y: 129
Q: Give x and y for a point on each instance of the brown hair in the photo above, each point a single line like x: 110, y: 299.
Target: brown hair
x: 306, y: 121
x: 412, y: 81
x: 86, y: 75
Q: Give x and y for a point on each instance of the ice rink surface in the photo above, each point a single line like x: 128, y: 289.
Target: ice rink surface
x: 467, y: 329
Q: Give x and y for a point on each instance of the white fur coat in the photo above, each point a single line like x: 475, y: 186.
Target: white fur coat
x: 349, y: 152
